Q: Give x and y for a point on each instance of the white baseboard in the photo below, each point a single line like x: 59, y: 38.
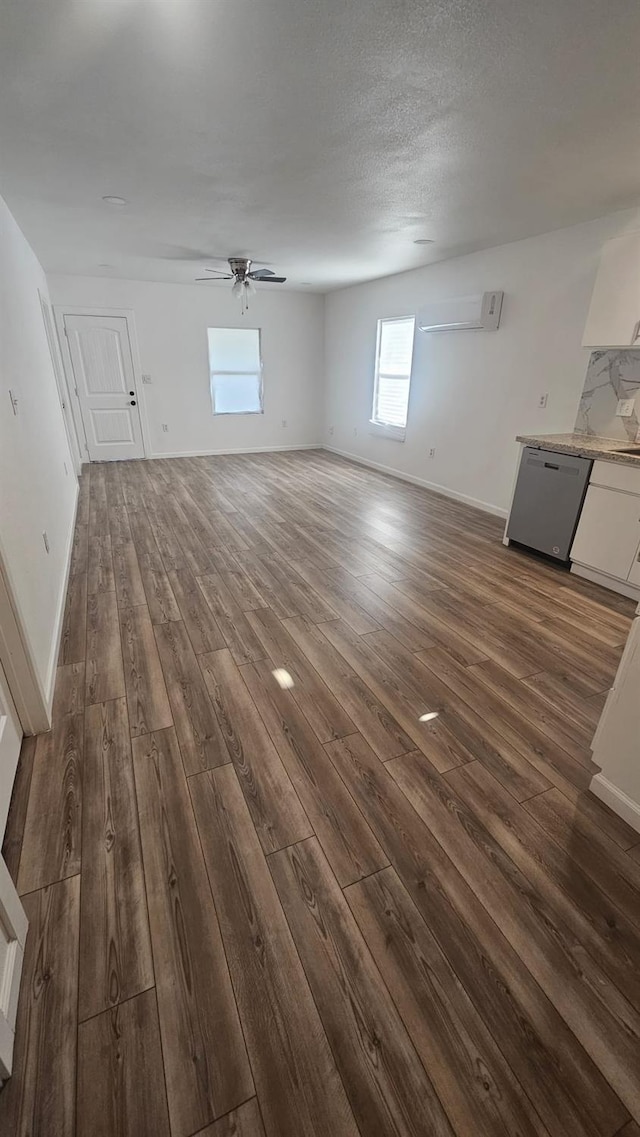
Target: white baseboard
x: 610, y: 582
x: 617, y: 800
x: 237, y: 450
x: 59, y: 624
x: 475, y: 502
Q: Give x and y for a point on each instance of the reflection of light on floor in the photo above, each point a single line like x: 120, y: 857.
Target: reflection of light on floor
x: 283, y: 678
x: 429, y: 715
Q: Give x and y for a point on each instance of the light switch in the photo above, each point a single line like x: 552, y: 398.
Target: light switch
x: 625, y: 407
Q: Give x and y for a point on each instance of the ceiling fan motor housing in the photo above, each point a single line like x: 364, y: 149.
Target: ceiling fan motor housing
x: 240, y: 267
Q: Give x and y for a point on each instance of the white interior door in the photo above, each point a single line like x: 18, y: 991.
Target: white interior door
x: 102, y: 360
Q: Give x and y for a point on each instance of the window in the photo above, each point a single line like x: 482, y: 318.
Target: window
x: 235, y: 369
x: 393, y: 375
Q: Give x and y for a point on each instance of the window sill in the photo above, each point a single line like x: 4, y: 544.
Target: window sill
x: 384, y: 430
x: 225, y: 414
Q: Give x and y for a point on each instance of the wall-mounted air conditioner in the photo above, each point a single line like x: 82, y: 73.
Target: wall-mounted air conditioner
x: 464, y: 313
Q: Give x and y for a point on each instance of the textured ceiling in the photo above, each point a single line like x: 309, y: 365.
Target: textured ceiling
x: 319, y: 136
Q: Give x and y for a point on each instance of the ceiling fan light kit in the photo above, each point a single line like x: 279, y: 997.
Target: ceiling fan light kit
x: 243, y: 278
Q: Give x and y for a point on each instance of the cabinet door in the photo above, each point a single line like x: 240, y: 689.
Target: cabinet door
x: 614, y: 315
x: 608, y: 532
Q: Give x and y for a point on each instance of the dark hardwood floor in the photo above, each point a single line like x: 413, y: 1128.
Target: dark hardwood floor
x: 267, y: 896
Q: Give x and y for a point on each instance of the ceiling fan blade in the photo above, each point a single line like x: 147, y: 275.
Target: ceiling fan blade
x: 261, y: 273
x: 211, y: 279
x: 271, y: 279
x: 218, y: 271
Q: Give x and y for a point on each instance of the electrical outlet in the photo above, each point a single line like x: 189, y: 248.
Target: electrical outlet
x: 46, y: 540
x: 146, y: 378
x: 432, y: 452
x: 284, y: 422
x: 542, y: 401
x: 355, y: 432
x: 165, y: 428
x: 625, y: 407
x: 331, y: 429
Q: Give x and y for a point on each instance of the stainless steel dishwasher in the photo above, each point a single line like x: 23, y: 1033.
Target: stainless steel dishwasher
x: 547, y: 501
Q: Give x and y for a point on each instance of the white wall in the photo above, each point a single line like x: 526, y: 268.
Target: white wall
x: 38, y: 486
x: 171, y: 322
x: 471, y: 392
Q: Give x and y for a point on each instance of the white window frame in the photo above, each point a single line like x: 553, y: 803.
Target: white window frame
x: 227, y: 371
x: 376, y: 426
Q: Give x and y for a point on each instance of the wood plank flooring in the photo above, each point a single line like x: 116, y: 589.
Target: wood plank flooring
x: 268, y: 897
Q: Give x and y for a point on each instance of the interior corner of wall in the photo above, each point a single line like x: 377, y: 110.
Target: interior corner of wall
x: 52, y: 666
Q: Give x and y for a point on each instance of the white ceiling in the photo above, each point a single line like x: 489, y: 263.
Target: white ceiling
x: 319, y: 136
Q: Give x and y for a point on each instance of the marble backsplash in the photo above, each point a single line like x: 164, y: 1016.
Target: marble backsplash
x: 611, y: 375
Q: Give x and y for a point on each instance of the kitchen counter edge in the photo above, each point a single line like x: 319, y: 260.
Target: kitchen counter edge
x: 601, y: 449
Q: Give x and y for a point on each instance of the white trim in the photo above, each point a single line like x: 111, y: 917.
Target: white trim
x: 60, y: 375
x: 237, y: 450
x: 74, y: 402
x: 13, y: 975
x: 485, y: 506
x: 32, y: 700
x: 610, y: 582
x: 16, y: 660
x: 62, y: 310
x: 15, y: 924
x: 385, y: 430
x: 10, y: 744
x: 617, y: 800
x: 12, y: 914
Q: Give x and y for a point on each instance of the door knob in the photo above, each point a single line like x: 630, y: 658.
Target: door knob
x: 133, y: 402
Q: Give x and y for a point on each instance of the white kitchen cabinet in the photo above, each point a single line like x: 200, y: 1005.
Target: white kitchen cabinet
x: 608, y: 533
x: 614, y: 314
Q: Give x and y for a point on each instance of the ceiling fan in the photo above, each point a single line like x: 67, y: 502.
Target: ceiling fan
x: 243, y: 278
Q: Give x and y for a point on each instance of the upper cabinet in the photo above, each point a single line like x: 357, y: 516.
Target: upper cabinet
x: 614, y: 315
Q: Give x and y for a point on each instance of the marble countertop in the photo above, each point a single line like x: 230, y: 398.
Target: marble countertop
x: 586, y: 445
